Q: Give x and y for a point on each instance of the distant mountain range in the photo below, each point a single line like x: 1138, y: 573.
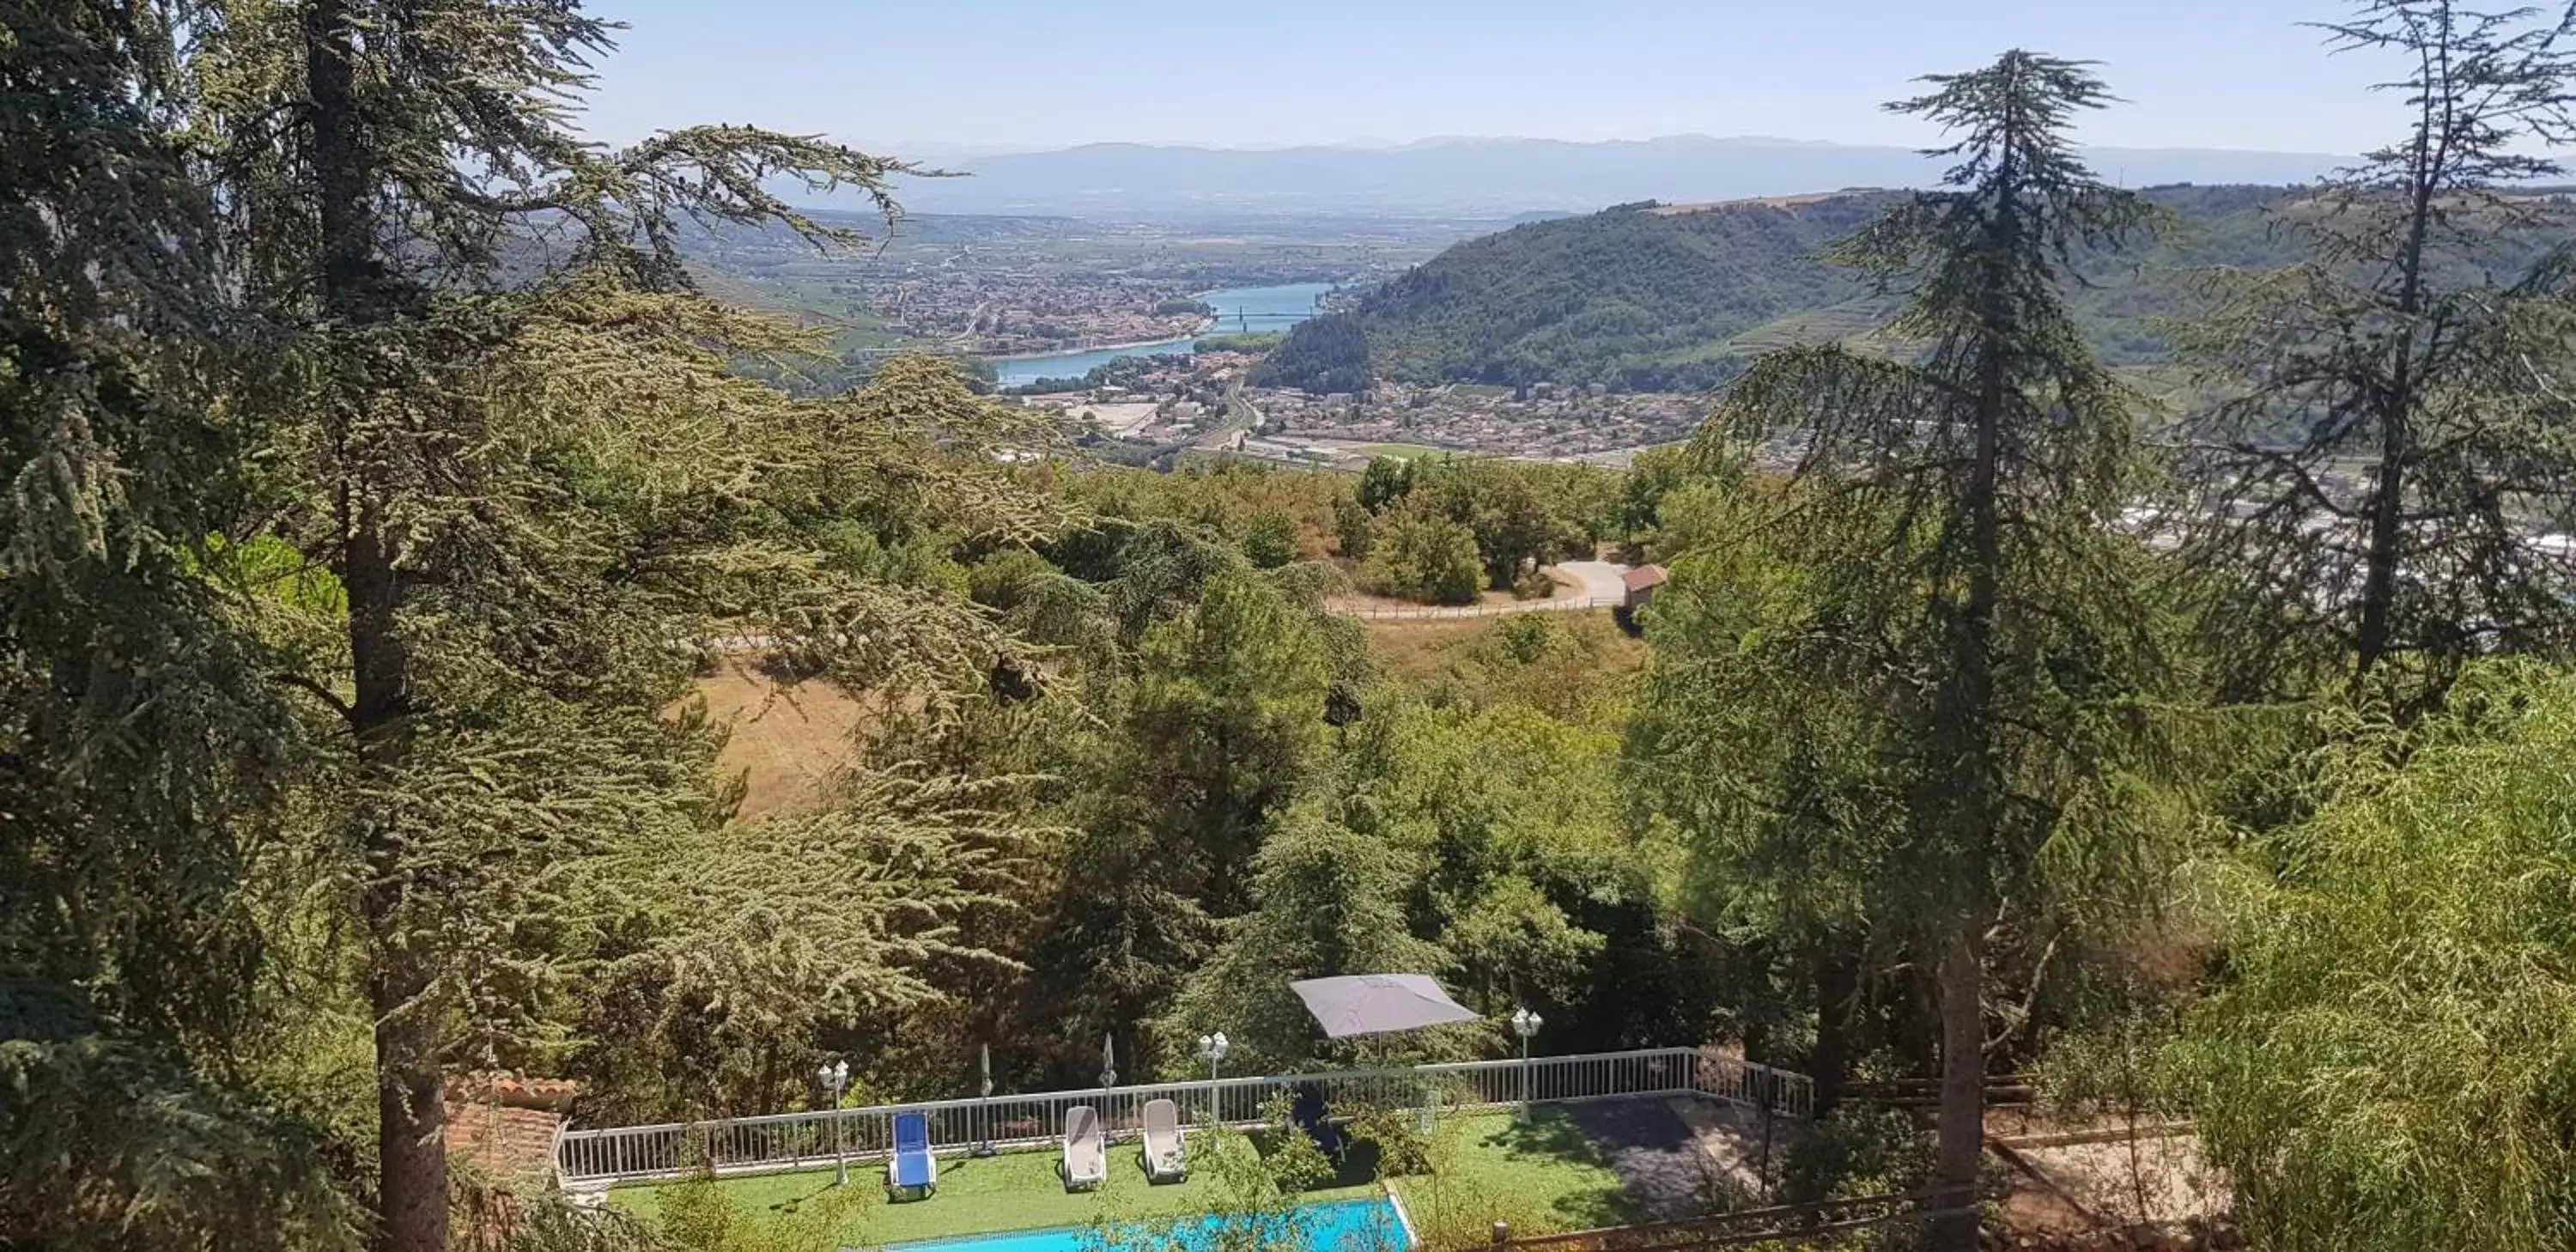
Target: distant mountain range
x: 1492, y: 178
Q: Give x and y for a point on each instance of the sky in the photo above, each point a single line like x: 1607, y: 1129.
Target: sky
x: 931, y: 78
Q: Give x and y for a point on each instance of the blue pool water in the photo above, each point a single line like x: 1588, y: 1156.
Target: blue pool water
x: 1341, y: 1226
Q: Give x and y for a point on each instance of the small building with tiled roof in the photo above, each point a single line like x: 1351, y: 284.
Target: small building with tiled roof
x: 505, y: 1125
x: 1641, y: 583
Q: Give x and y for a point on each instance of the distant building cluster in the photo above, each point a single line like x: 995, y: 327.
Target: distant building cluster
x: 1545, y: 421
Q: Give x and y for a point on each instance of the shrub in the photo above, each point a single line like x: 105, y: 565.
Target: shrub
x: 1402, y: 1150
x: 1270, y: 540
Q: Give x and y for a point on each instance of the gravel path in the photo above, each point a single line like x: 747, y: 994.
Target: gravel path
x: 1600, y: 579
x: 1595, y: 585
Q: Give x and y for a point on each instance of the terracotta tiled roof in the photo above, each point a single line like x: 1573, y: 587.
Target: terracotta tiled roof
x: 505, y: 1125
x: 514, y: 1091
x: 1642, y: 577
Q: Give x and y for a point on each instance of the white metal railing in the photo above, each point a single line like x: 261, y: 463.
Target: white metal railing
x: 790, y: 1141
x: 1419, y: 612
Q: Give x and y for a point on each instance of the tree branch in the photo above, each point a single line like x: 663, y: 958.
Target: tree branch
x: 327, y: 696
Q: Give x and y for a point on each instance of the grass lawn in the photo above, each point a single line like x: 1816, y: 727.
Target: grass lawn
x: 1013, y: 1191
x: 1543, y: 1178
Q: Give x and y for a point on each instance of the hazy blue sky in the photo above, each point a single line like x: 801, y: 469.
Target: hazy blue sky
x: 944, y: 74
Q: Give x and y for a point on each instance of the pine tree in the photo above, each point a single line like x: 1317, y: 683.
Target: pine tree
x: 1954, y: 514
x: 141, y: 744
x: 2395, y: 448
x: 518, y: 444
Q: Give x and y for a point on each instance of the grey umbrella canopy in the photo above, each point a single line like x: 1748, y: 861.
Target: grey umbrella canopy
x: 1378, y: 1004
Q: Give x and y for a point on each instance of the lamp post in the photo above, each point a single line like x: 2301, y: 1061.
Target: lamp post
x: 1525, y: 1024
x: 1212, y: 1049
x: 836, y: 1079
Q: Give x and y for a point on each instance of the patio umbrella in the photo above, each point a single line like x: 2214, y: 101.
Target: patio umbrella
x: 1108, y: 1061
x: 988, y: 1071
x: 1378, y: 1004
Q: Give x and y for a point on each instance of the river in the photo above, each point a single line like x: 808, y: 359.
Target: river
x: 1239, y: 310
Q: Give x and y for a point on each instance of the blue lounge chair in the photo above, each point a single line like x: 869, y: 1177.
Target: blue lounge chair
x: 912, y: 1167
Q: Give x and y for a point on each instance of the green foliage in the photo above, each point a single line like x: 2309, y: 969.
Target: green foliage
x: 1394, y: 1137
x: 1420, y: 554
x: 145, y: 756
x: 375, y: 484
x: 1385, y: 481
x: 1269, y: 540
x: 1526, y: 638
x: 391, y: 519
x: 1517, y: 526
x: 1511, y: 934
x: 1324, y: 355
x: 1863, y: 1151
x: 1216, y: 729
x: 1308, y: 585
x: 2387, y: 1061
x: 1607, y: 298
x: 1331, y: 901
x: 107, y: 1143
x: 1253, y: 341
x: 1228, y: 703
x: 1529, y: 883
x: 1296, y: 1162
x: 1353, y: 529
x: 534, y: 1217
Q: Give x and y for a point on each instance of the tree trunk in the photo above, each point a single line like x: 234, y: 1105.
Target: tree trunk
x: 2394, y: 401
x: 411, y: 1125
x: 1837, y: 973
x: 411, y: 1143
x: 1963, y: 1088
x: 1968, y: 713
x: 2380, y: 557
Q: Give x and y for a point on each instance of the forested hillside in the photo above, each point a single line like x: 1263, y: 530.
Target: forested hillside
x: 1642, y: 297
x: 372, y: 583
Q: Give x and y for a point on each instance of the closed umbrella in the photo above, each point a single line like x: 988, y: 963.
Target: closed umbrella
x: 1108, y: 1061
x: 984, y: 1114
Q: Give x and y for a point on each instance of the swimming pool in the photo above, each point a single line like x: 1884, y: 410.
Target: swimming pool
x: 1340, y: 1226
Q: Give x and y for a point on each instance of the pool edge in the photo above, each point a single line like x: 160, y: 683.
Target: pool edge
x: 1403, y: 1220
x: 1386, y: 1195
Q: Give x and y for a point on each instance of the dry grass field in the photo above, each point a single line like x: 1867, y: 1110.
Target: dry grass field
x: 787, y: 740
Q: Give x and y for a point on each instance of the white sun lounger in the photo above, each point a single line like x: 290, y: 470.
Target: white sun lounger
x: 1163, y: 1160
x: 1086, y: 1154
